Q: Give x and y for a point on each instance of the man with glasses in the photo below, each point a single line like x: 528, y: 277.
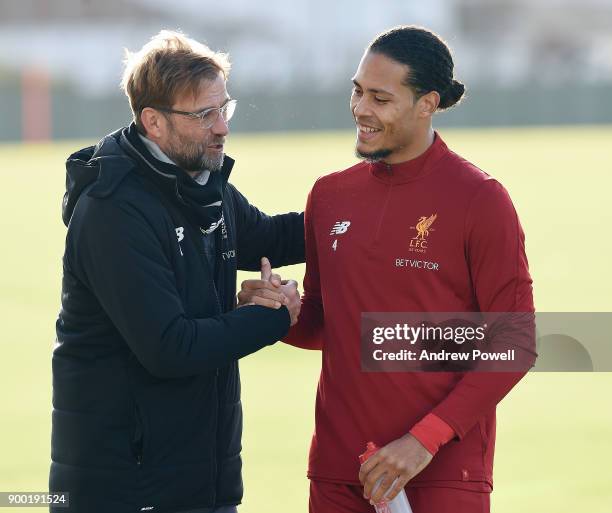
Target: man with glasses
x: 146, y: 387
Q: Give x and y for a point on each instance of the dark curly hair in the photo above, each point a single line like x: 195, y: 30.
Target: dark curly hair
x: 428, y: 58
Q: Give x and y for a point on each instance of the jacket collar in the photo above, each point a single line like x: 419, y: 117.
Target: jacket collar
x: 201, y: 203
x: 410, y: 170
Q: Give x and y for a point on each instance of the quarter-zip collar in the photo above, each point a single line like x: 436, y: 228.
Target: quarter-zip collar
x: 410, y: 170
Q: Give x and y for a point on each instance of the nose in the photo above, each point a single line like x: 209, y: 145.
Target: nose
x: 221, y: 127
x: 360, y: 107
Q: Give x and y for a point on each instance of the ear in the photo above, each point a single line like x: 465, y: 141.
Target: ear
x: 153, y: 121
x: 428, y: 104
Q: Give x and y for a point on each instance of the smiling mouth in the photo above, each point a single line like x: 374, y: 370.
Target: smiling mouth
x: 368, y: 129
x: 367, y: 134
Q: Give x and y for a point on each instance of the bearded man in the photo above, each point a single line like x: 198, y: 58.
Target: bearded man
x: 146, y: 387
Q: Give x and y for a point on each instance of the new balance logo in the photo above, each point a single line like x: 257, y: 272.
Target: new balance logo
x: 340, y: 227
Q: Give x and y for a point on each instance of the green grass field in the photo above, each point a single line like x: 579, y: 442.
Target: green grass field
x: 554, y: 448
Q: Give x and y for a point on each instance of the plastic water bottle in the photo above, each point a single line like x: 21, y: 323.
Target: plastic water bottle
x: 400, y: 503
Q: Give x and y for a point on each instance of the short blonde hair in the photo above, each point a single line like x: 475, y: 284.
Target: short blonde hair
x: 168, y: 66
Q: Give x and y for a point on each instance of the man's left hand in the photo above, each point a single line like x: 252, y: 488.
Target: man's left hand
x: 403, y: 459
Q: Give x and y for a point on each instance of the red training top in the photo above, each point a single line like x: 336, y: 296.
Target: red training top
x: 365, y: 253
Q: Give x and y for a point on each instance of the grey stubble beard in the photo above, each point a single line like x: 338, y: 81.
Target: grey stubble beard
x: 191, y: 156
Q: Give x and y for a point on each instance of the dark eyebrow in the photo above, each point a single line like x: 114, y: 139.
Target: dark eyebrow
x: 372, y: 90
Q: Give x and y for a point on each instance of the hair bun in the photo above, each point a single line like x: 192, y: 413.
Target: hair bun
x: 452, y: 95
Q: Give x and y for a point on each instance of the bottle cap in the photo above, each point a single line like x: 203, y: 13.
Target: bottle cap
x: 371, y: 449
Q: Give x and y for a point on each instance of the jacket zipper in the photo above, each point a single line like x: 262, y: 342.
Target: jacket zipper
x: 220, y: 309
x: 138, y: 436
x: 383, y: 211
x: 212, y: 272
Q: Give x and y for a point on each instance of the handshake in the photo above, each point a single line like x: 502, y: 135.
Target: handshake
x: 271, y: 291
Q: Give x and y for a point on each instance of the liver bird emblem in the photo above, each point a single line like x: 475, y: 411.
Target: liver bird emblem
x: 423, y: 226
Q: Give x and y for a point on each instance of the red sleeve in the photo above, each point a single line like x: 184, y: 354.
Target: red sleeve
x: 432, y: 432
x: 307, y: 332
x: 495, y: 249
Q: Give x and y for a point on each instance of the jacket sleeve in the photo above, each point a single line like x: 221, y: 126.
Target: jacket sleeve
x: 495, y: 249
x: 307, y: 333
x: 120, y: 257
x: 279, y: 237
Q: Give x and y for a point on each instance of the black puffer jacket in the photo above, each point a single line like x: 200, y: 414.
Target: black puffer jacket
x: 146, y: 388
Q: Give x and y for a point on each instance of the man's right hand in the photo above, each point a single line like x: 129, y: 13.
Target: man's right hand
x: 270, y: 291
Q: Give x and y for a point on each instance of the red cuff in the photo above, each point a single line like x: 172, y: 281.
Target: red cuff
x: 432, y: 432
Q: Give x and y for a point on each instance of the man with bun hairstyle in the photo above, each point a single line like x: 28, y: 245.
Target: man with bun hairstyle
x: 410, y: 199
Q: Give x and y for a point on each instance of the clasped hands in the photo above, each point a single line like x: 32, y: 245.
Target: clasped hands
x: 394, y: 464
x: 271, y: 291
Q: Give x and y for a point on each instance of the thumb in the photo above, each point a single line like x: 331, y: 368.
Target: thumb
x: 266, y: 269
x: 275, y: 279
